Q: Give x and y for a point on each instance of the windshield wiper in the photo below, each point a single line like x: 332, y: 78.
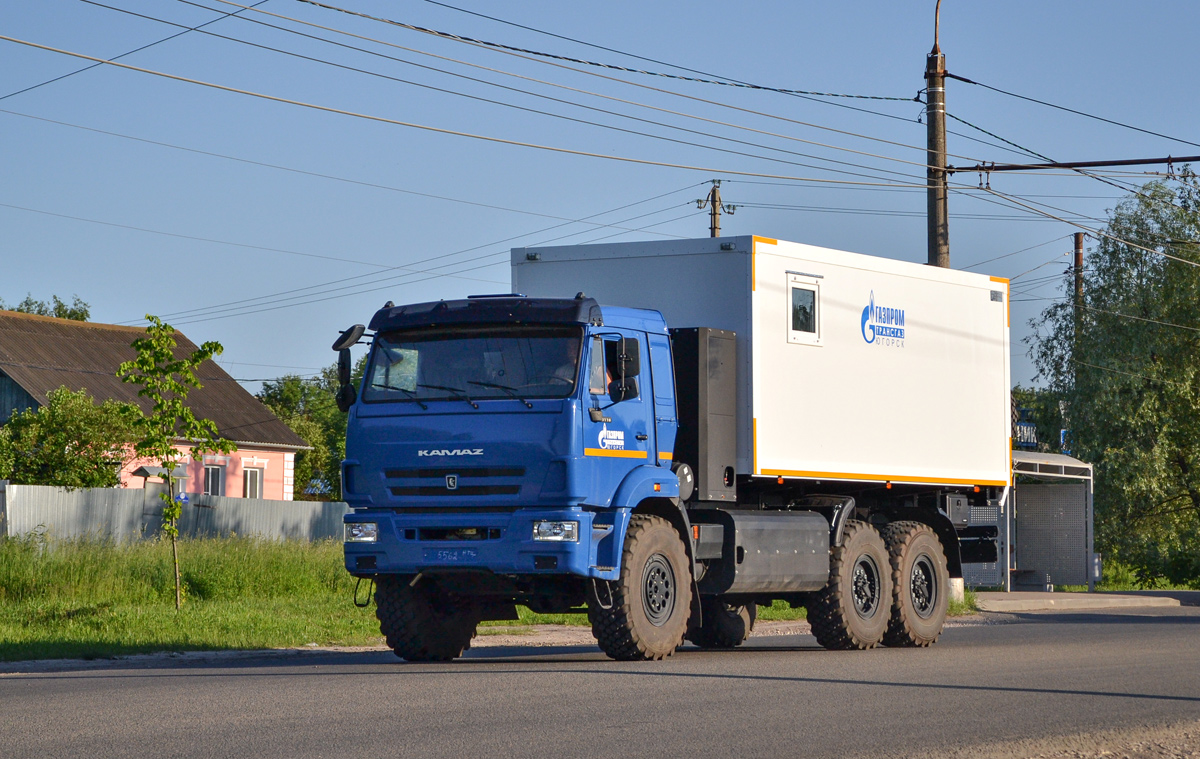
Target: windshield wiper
x: 411, y: 394
x: 460, y: 392
x: 512, y: 391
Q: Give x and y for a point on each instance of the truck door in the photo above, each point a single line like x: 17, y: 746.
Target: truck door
x: 617, y: 438
x: 664, y: 397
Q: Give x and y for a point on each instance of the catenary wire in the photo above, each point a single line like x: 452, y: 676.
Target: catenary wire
x: 506, y: 240
x: 423, y: 127
x: 597, y: 75
x: 224, y: 15
x: 724, y: 80
x: 304, y: 172
x: 572, y: 89
x: 505, y: 104
x: 1071, y: 110
x: 391, y: 285
x: 521, y: 51
x: 1016, y: 252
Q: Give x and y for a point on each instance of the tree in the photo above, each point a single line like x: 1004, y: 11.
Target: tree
x: 166, y: 380
x: 71, y: 442
x: 309, y: 407
x: 78, y: 310
x: 1128, y: 367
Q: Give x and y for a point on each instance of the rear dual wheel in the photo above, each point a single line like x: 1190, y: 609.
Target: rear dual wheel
x: 853, y: 609
x: 919, y: 574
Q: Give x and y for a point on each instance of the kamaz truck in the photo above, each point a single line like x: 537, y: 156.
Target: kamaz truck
x: 668, y: 434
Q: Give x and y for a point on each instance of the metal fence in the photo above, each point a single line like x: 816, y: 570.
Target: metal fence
x: 133, y: 514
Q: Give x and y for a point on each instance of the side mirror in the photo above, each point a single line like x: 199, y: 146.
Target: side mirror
x: 623, y: 389
x: 622, y: 358
x: 349, y: 337
x: 344, y: 367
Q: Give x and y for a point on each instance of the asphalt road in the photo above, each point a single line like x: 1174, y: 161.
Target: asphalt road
x: 1026, y: 676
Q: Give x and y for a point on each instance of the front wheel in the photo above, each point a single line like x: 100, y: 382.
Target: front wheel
x: 851, y: 612
x: 643, y: 615
x: 421, y: 623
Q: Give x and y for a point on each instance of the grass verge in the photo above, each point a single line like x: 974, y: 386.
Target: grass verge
x: 96, y: 598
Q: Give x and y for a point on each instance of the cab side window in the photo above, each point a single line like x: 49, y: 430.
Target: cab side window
x: 597, y: 375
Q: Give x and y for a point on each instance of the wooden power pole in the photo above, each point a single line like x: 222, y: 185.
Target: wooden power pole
x: 937, y: 194
x: 715, y: 207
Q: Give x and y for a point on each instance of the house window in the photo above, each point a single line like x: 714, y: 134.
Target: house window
x: 252, y: 480
x: 804, y: 309
x: 214, y: 480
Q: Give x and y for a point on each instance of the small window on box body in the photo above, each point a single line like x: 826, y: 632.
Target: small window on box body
x: 804, y: 310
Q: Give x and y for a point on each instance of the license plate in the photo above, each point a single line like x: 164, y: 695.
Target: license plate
x: 451, y: 555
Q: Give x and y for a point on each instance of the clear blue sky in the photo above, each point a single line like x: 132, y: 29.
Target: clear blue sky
x: 121, y: 187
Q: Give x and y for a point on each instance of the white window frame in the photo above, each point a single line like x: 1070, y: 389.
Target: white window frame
x: 258, y: 476
x: 220, y: 470
x: 812, y: 283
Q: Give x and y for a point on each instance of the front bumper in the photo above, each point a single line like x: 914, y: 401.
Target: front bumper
x: 409, y: 543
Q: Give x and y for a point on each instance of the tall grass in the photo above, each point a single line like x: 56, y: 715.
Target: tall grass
x: 93, y: 597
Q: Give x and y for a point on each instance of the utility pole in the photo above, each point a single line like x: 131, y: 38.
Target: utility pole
x: 713, y: 201
x: 1078, y: 270
x: 938, y: 208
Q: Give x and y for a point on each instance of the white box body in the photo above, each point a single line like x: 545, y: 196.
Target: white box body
x: 900, y: 375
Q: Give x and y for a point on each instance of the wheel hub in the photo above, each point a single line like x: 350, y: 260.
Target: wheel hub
x: 658, y: 590
x: 923, y: 586
x: 866, y: 589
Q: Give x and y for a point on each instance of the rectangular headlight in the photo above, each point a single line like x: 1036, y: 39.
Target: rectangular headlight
x: 556, y: 532
x: 361, y: 532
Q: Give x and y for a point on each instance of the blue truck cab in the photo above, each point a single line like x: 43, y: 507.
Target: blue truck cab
x: 511, y: 436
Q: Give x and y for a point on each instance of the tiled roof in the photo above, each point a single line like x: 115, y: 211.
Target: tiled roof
x: 41, y: 354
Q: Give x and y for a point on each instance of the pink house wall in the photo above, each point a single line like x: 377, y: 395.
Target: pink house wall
x: 277, y: 469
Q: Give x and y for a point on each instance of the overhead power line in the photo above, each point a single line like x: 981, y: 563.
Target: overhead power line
x: 506, y: 104
x: 1015, y: 252
x: 424, y: 127
x: 374, y: 275
x: 692, y: 98
x: 1071, y: 110
x: 1096, y: 232
x: 317, y: 174
x: 718, y: 80
x: 988, y: 168
x: 186, y: 29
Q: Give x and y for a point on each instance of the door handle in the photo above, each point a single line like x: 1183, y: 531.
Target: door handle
x: 642, y: 436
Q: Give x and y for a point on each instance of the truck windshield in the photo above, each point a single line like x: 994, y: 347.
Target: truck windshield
x: 446, y: 363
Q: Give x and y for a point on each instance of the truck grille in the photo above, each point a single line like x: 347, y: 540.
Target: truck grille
x: 450, y: 481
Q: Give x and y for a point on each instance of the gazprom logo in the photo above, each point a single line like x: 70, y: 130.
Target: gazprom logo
x: 613, y: 440
x: 883, y: 325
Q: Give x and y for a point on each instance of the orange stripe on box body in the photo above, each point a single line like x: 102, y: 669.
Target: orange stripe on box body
x: 877, y: 477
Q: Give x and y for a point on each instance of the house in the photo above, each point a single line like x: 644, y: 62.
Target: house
x: 39, y: 354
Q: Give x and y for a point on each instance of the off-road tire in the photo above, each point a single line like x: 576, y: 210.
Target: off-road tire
x: 921, y: 585
x: 421, y: 623
x: 649, y: 604
x: 724, y: 625
x: 851, y: 612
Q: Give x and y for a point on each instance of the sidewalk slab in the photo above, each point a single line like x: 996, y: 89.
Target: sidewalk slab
x: 1035, y: 601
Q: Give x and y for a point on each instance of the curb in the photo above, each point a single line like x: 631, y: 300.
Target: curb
x: 1010, y: 602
